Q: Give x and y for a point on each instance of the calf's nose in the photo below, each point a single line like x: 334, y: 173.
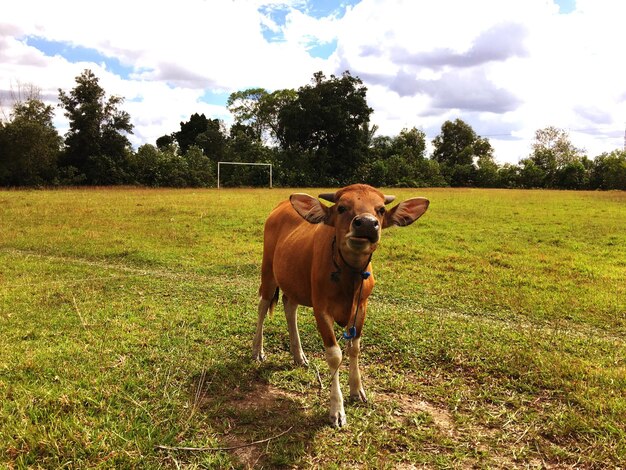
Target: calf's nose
x: 365, y: 221
x: 366, y: 226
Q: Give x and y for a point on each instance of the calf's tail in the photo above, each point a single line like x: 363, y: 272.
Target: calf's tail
x: 274, y: 301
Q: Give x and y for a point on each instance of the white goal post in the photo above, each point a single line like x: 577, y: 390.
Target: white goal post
x: 241, y: 163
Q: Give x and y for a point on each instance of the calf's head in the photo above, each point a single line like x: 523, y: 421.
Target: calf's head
x: 358, y: 215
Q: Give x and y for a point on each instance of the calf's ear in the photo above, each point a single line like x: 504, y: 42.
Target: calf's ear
x: 310, y: 208
x: 406, y: 212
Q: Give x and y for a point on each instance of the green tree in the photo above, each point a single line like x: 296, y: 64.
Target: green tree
x: 244, y: 146
x: 487, y: 172
x: 173, y: 168
x: 165, y: 141
x: 246, y: 106
x: 531, y: 175
x: 29, y: 144
x: 411, y: 145
x: 572, y: 175
x: 146, y: 166
x: 190, y: 130
x: 609, y: 171
x: 166, y: 167
x: 207, y: 134
x: 552, y: 151
x: 401, y: 161
x: 457, y: 148
x: 380, y: 150
x: 200, y: 172
x: 508, y: 176
x: 96, y: 143
x: 327, y: 125
x: 259, y: 109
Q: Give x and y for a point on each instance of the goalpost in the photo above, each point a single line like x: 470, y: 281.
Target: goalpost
x: 241, y: 163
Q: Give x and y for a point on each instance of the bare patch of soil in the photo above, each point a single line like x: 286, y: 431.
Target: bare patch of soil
x: 264, y: 405
x: 410, y: 405
x: 261, y: 397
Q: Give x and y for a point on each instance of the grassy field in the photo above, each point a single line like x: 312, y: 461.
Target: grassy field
x: 495, y: 338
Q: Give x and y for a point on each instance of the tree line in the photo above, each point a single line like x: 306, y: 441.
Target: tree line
x: 318, y: 135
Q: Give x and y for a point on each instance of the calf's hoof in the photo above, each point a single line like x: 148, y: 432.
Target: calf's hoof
x: 338, y: 419
x: 258, y: 356
x: 359, y: 396
x: 301, y: 360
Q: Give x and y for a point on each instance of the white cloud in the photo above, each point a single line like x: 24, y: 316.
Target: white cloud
x: 522, y: 64
x: 506, y: 67
x: 302, y: 29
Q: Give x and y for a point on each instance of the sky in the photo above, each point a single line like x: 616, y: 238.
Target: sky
x: 506, y: 67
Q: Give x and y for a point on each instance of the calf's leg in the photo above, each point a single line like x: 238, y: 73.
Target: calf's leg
x: 337, y: 413
x: 291, y: 313
x: 334, y: 357
x: 257, y: 344
x: 353, y: 349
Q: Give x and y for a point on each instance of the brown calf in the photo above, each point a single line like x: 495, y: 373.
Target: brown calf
x: 320, y: 257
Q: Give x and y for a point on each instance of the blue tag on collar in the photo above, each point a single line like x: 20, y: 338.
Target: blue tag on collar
x: 351, y: 332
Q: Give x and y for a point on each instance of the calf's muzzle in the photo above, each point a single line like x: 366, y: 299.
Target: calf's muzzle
x: 365, y: 226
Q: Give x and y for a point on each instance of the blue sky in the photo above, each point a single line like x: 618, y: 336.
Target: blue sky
x: 76, y: 53
x: 566, y: 6
x: 505, y: 66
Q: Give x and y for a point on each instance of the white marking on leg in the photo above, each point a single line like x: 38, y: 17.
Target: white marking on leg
x: 337, y: 413
x: 257, y: 344
x: 357, y: 392
x: 291, y: 313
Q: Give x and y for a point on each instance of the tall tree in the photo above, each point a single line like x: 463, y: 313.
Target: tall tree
x: 327, y: 123
x: 259, y: 109
x: 29, y: 143
x: 96, y: 142
x: 246, y: 107
x: 400, y: 160
x: 207, y: 134
x: 165, y: 141
x: 457, y: 147
x: 552, y: 152
x: 411, y: 144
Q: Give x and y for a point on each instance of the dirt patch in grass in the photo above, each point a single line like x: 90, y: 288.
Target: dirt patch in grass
x: 261, y: 399
x: 260, y: 412
x: 262, y: 396
x: 482, y: 439
x: 406, y: 405
x: 247, y: 455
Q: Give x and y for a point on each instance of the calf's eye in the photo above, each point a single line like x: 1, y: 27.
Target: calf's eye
x: 342, y: 209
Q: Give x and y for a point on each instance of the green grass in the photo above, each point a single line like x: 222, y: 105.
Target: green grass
x: 495, y: 338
